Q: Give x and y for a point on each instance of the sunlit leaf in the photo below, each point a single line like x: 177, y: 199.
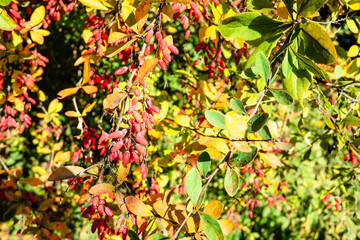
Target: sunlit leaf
x: 137, y: 207
x: 95, y: 4
x: 204, y: 163
x: 215, y: 118
x: 262, y: 66
x: 236, y: 124
x: 214, y: 209
x: 193, y: 184
x: 38, y: 15
x: 182, y: 120
x: 115, y: 49
x: 145, y: 69
x: 231, y: 182
x: 65, y: 173
x: 122, y: 172
x: 271, y: 159
x: 141, y: 14
x: 227, y: 226
x: 211, y: 227
x: 67, y: 92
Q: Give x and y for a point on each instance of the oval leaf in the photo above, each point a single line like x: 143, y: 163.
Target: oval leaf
x: 257, y: 122
x: 67, y: 92
x: 237, y: 106
x: 215, y: 118
x: 203, y: 163
x: 262, y: 66
x: 282, y: 97
x: 38, y: 15
x: 193, y: 184
x: 101, y: 188
x: 137, y: 207
x: 231, y: 182
x: 214, y: 209
x: 211, y: 227
x: 65, y: 173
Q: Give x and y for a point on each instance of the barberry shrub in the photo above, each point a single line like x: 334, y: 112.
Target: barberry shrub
x: 159, y: 119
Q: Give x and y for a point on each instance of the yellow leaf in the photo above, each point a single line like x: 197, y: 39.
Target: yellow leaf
x: 86, y: 35
x: 137, y: 207
x: 122, y: 172
x: 90, y: 89
x: 271, y: 159
x: 41, y: 96
x: 167, y: 14
x: 58, y: 146
x: 211, y: 32
x: 95, y: 4
x: 282, y: 11
x: 141, y: 14
x: 19, y: 105
x: 353, y: 51
x: 202, y: 33
x: 72, y: 114
x: 39, y: 170
x: 32, y: 181
x: 236, y: 124
x: 42, y: 32
x: 182, y: 120
x: 88, y: 108
x: 79, y: 61
x: 55, y: 106
x: 63, y: 156
x: 117, y: 36
x: 101, y: 188
x: 226, y: 226
x: 38, y: 15
x: 241, y: 146
x: 36, y: 37
x: 67, y: 92
x: 86, y: 72
x: 214, y: 209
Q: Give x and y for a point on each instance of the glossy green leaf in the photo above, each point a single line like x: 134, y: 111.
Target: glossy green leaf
x: 265, y: 133
x: 5, y: 2
x: 133, y: 236
x: 307, y: 8
x: 257, y: 122
x: 311, y: 66
x: 193, y: 184
x: 215, y: 118
x: 237, y: 106
x: 231, y: 182
x: 6, y: 22
x: 352, y: 121
x: 282, y: 97
x: 262, y: 66
x: 243, y: 158
x: 248, y: 26
x: 211, y: 227
x: 316, y: 44
x: 204, y: 163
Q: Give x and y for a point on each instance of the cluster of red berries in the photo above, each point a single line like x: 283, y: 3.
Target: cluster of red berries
x: 351, y: 156
x: 329, y: 205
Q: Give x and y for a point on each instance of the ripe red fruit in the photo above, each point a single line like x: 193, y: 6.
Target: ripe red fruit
x: 166, y: 56
x: 95, y: 201
x: 117, y: 146
x: 126, y: 157
x: 148, y: 36
x: 173, y: 49
x: 117, y: 134
x: 121, y: 71
x: 141, y: 139
x: 187, y: 34
x: 158, y: 36
x: 329, y: 206
x: 94, y: 226
x: 141, y: 149
x: 163, y: 44
x: 101, y: 210
x: 109, y: 212
x: 103, y: 137
x: 162, y: 64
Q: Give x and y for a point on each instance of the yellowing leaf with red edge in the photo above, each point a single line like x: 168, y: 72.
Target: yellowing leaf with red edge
x: 90, y: 89
x: 122, y: 172
x: 38, y: 15
x: 67, y: 92
x: 95, y: 4
x: 72, y: 114
x: 141, y: 14
x: 101, y: 188
x: 271, y: 159
x: 37, y: 37
x: 88, y: 108
x: 236, y: 124
x: 137, y: 207
x: 32, y: 181
x: 19, y: 105
x: 214, y: 209
x: 145, y: 69
x: 86, y: 72
x: 65, y: 173
x: 227, y: 226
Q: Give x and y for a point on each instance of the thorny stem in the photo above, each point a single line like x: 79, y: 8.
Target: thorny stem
x: 225, y: 160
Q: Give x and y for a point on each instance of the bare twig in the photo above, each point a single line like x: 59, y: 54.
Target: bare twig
x: 233, y: 6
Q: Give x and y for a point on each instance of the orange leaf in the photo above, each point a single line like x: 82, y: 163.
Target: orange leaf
x: 123, y: 172
x: 67, y: 92
x: 86, y: 72
x: 79, y: 61
x: 72, y: 114
x: 55, y: 225
x: 33, y: 181
x: 145, y: 69
x: 101, y: 188
x: 141, y: 14
x: 90, y: 89
x: 113, y: 100
x: 65, y: 173
x: 214, y: 209
x: 227, y: 226
x: 137, y: 207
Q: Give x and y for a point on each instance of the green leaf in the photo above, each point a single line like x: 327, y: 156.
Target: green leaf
x: 237, y: 106
x: 215, y: 118
x: 5, y: 2
x: 260, y: 5
x: 307, y: 8
x: 133, y: 236
x: 338, y: 71
x: 203, y: 163
x: 265, y: 133
x: 311, y: 66
x: 296, y: 81
x: 262, y: 66
x: 6, y: 22
x: 158, y: 237
x: 211, y: 227
x: 257, y: 122
x: 316, y: 44
x: 231, y: 182
x: 282, y: 97
x: 352, y: 121
x: 249, y: 26
x: 193, y: 184
x: 115, y: 49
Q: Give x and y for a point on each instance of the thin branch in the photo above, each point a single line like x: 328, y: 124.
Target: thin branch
x: 233, y: 6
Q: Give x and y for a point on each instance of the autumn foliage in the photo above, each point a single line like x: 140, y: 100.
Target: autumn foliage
x: 157, y: 119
